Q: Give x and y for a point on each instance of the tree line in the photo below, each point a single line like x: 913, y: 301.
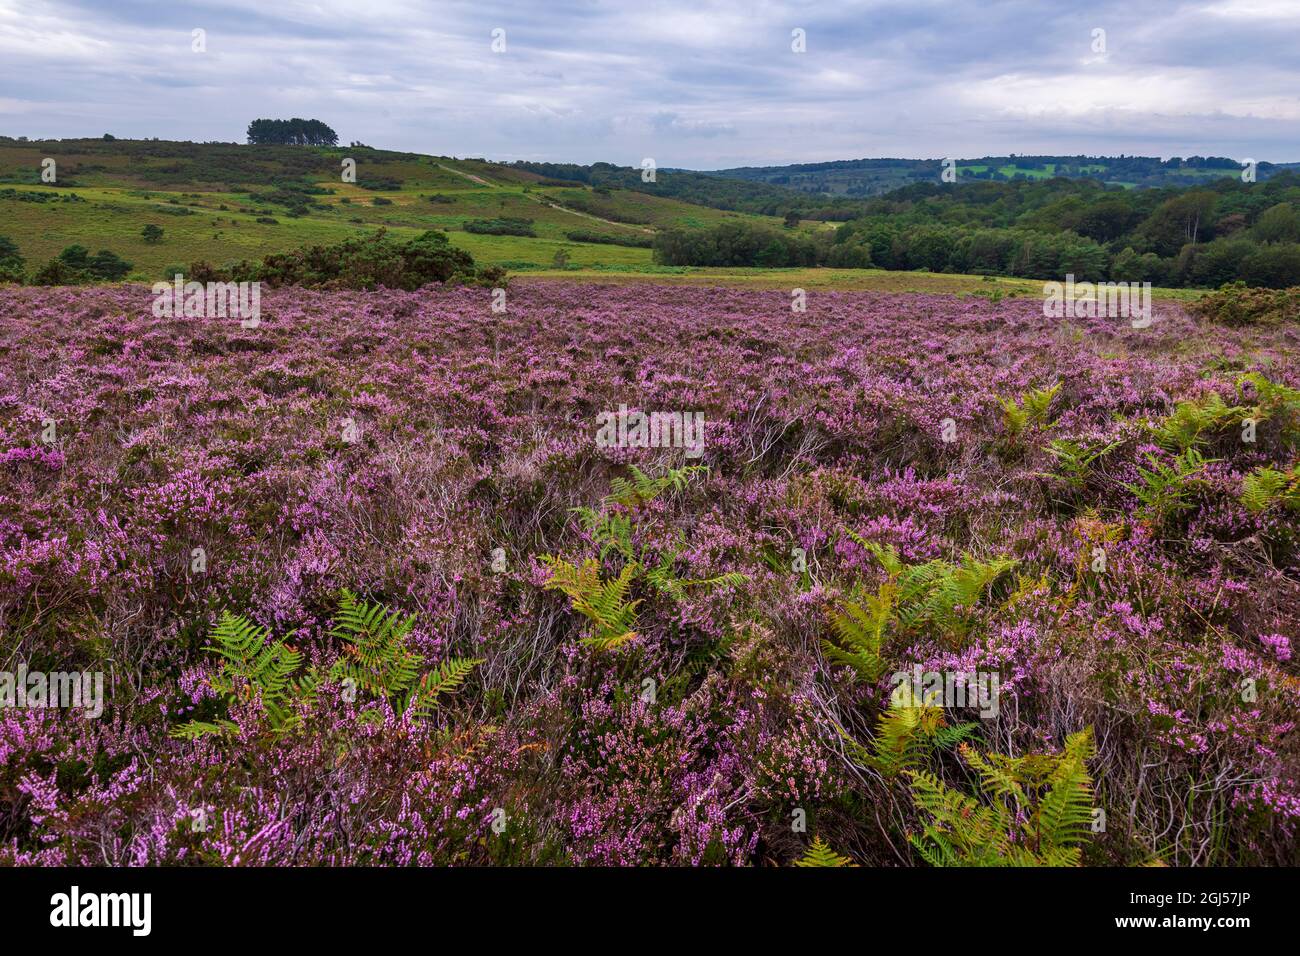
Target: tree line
x: 1198, y: 237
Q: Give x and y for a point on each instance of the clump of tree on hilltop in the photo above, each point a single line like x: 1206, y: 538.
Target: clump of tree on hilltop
x: 291, y: 132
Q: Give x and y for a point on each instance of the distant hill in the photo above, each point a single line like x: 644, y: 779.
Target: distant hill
x: 161, y: 206
x: 874, y: 177
x: 223, y: 202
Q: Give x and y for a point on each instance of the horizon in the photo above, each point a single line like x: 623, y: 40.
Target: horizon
x: 700, y: 87
x: 688, y: 169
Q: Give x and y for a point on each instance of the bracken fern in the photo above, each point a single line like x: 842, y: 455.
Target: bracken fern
x: 1036, y: 810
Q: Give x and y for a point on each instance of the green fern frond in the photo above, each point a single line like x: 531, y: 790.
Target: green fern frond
x: 1165, y: 488
x: 887, y: 554
x: 1190, y: 421
x: 1064, y: 817
x: 820, y: 854
x: 1275, y: 401
x: 936, y: 593
x: 907, y: 732
x: 377, y: 658
x: 446, y: 678
x: 1265, y: 486
x: 194, y: 729
x: 1032, y: 408
x: 1033, y: 810
x: 642, y: 489
x: 859, y: 629
x: 609, y: 532
x: 1075, y: 460
x: 603, y: 603
x: 375, y: 654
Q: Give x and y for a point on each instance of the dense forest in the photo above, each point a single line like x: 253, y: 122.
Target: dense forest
x: 1202, y: 237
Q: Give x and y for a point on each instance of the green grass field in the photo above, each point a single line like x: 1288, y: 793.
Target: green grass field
x: 866, y: 280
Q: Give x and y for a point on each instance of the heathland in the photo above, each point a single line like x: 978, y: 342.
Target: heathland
x: 366, y: 589
x: 931, y: 578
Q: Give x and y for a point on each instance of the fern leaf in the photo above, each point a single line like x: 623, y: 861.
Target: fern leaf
x: 820, y: 854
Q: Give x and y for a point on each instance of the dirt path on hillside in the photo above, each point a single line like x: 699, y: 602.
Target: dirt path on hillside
x: 469, y: 176
x: 587, y: 215
x: 547, y: 202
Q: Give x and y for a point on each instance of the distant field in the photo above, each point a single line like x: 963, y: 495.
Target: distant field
x: 866, y: 280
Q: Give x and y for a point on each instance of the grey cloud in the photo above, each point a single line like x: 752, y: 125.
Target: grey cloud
x: 700, y: 84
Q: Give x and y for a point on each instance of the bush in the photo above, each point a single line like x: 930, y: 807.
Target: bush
x: 1214, y: 263
x: 1237, y: 304
x: 11, y: 261
x: 586, y: 235
x: 58, y: 272
x: 152, y: 234
x: 1278, y: 224
x: 849, y: 255
x: 1129, y: 266
x: 503, y: 226
x: 387, y: 183
x: 361, y: 263
x: 76, y: 266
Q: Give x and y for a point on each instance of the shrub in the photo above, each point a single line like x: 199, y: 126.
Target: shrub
x: 381, y: 182
x: 503, y: 226
x: 76, y: 266
x: 1236, y: 304
x: 849, y: 255
x: 612, y: 239
x: 58, y: 272
x: 11, y: 261
x: 368, y: 262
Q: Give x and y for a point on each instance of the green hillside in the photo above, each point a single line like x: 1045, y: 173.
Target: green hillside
x: 222, y: 202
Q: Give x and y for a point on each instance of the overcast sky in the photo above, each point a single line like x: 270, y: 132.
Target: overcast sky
x: 690, y: 83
